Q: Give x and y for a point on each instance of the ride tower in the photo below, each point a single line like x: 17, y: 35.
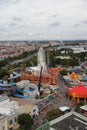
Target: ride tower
x: 23, y: 72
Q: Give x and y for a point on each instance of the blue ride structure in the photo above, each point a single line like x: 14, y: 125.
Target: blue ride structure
x: 8, y: 84
x: 21, y: 89
x: 25, y: 89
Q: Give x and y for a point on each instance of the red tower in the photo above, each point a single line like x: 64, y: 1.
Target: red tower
x: 23, y: 72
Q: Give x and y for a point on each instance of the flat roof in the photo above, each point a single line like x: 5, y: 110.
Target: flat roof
x: 64, y: 108
x: 22, y: 101
x: 3, y: 97
x: 84, y: 107
x: 8, y: 106
x: 45, y: 126
x: 70, y: 122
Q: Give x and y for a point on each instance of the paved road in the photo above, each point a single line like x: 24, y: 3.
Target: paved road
x: 60, y: 100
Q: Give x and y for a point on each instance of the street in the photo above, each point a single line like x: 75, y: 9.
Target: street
x: 60, y: 100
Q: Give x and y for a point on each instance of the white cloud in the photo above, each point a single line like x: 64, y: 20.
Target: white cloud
x: 42, y: 19
x: 30, y: 34
x: 55, y: 24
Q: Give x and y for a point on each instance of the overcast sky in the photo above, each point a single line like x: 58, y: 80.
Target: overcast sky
x: 43, y: 19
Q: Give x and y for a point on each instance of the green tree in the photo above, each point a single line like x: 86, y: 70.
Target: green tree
x: 25, y: 54
x: 3, y: 73
x: 63, y: 72
x: 81, y: 103
x: 51, y: 58
x: 25, y: 121
x: 52, y: 114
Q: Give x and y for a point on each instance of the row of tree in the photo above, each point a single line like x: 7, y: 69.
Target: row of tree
x: 74, y: 60
x: 26, y: 122
x: 53, y: 61
x: 25, y: 54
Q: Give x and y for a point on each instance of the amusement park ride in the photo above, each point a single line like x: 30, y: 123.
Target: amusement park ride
x: 41, y: 75
x: 7, y: 84
x: 48, y: 75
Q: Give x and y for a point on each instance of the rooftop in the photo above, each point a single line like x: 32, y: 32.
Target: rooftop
x: 84, y: 107
x: 45, y: 126
x: 2, y: 98
x: 70, y: 121
x: 22, y: 101
x: 6, y: 106
x: 64, y: 108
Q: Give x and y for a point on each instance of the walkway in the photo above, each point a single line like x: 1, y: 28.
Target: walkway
x: 60, y: 100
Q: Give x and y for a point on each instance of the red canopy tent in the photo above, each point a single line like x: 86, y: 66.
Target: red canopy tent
x: 78, y: 91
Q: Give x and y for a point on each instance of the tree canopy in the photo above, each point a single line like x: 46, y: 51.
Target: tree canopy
x: 52, y: 114
x: 25, y: 121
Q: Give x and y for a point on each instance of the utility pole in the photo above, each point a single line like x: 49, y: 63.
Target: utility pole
x: 39, y: 85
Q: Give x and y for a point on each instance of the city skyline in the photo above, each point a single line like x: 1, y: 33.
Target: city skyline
x: 43, y: 19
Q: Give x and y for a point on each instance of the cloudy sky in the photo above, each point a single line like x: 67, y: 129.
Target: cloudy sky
x: 43, y: 19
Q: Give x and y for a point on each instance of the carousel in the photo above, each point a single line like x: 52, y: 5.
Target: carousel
x: 78, y: 92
